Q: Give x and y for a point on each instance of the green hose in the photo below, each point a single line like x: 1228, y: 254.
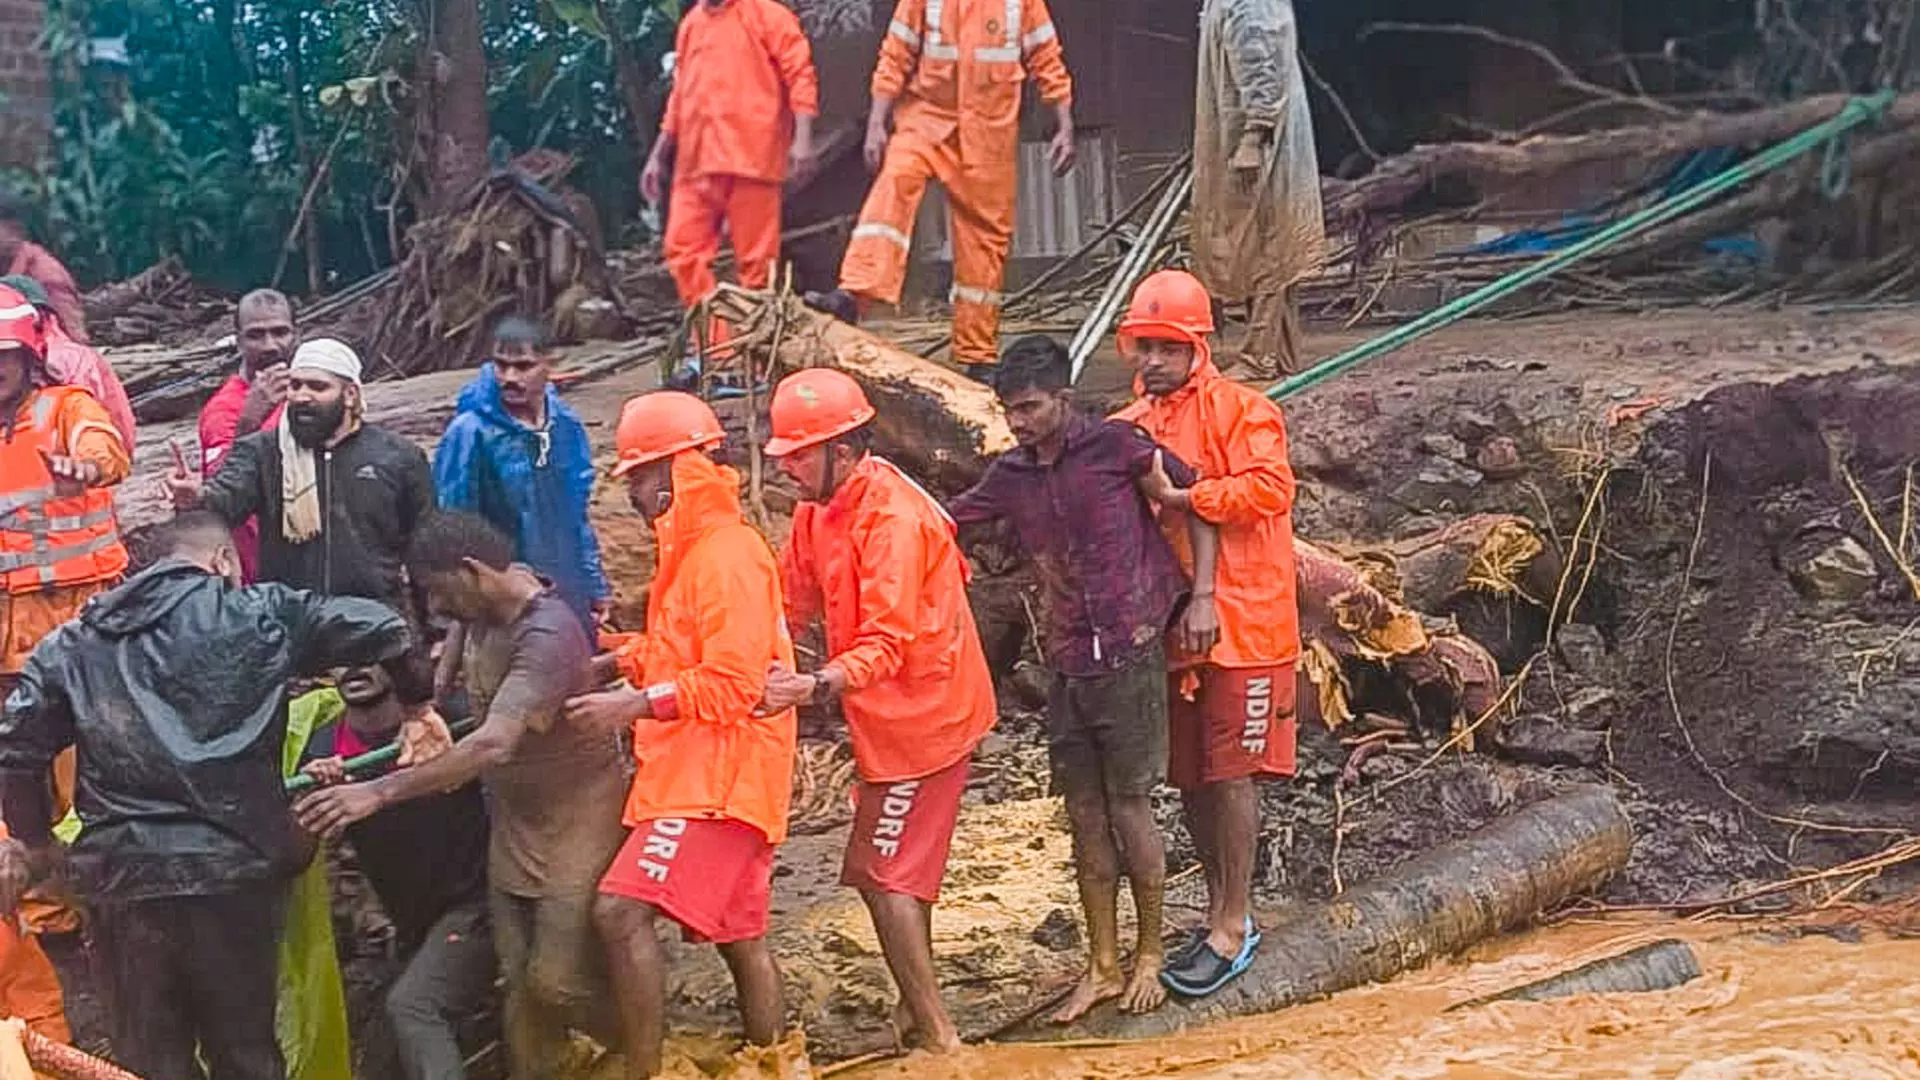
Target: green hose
x: 372, y: 759
x: 1858, y: 111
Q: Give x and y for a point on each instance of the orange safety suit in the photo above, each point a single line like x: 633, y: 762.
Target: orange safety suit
x: 56, y: 551
x: 1236, y: 439
x: 29, y: 987
x: 880, y: 562
x: 715, y: 626
x: 955, y: 68
x: 744, y: 70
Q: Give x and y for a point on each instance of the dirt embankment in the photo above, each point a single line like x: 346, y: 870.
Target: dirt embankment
x: 1743, y: 676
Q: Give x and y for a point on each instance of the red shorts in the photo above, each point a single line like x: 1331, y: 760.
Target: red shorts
x: 901, y: 833
x: 1240, y: 725
x: 712, y: 876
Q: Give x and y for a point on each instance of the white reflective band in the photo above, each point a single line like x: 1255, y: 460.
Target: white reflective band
x: 879, y: 231
x: 1039, y: 37
x: 904, y: 33
x: 1015, y: 16
x: 24, y: 311
x: 1009, y: 54
x: 941, y: 52
x: 967, y: 294
x: 915, y: 485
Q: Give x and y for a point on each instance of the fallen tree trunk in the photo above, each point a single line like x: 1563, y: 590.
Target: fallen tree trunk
x: 116, y: 297
x: 1440, y: 903
x: 1661, y: 965
x: 943, y: 427
x: 1489, y: 165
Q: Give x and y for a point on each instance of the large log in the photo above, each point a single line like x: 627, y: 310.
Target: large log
x: 1490, y: 165
x: 944, y: 428
x: 1495, y: 880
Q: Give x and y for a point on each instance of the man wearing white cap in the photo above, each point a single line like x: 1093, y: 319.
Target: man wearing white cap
x: 337, y: 500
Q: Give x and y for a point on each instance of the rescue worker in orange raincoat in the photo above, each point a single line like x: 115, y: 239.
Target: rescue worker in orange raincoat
x: 875, y: 555
x: 59, y: 546
x: 740, y: 115
x: 710, y: 796
x: 1231, y: 714
x: 949, y: 80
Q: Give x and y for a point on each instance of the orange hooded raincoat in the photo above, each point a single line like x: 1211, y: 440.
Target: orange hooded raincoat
x: 955, y: 68
x: 880, y: 562
x: 743, y: 71
x: 1236, y: 439
x: 715, y: 625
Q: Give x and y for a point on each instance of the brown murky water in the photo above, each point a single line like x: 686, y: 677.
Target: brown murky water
x: 1775, y: 1000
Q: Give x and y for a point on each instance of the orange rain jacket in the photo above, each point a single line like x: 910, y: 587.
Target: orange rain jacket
x: 57, y: 420
x: 29, y: 988
x: 958, y: 65
x: 1236, y: 439
x: 715, y: 625
x: 880, y: 562
x: 743, y: 71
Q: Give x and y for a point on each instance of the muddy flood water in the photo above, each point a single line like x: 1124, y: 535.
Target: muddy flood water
x: 1776, y: 999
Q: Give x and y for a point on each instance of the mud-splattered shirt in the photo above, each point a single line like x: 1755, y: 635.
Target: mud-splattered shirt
x: 1109, y: 581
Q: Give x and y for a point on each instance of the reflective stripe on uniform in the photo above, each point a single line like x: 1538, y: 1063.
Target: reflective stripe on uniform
x: 15, y: 501
x: 24, y: 311
x: 967, y: 294
x: 1039, y: 37
x: 904, y: 33
x: 47, y: 558
x: 76, y: 522
x: 881, y: 231
x: 937, y: 47
x: 1010, y: 52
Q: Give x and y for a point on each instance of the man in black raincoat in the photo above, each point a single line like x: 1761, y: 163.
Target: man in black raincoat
x: 174, y: 688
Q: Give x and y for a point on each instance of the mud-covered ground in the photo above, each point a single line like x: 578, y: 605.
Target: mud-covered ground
x: 1737, y: 660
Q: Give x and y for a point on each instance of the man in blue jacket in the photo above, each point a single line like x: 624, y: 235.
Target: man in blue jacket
x: 518, y: 457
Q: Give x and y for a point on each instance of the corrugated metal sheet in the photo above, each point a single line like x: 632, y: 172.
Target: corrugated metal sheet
x: 1054, y: 214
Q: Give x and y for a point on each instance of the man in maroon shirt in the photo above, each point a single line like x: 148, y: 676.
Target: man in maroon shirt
x: 1077, y: 493
x: 252, y: 398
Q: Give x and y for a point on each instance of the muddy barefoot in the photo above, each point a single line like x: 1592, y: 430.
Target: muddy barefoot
x: 1093, y: 989
x: 1144, y: 992
x: 905, y: 1031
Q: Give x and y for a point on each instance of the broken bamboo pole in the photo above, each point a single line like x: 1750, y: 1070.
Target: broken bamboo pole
x: 1495, y: 880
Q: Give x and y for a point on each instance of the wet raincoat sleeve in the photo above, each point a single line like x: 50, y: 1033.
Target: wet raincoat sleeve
x: 234, y: 491
x: 900, y: 49
x: 792, y: 53
x: 1258, y: 482
x: 583, y: 477
x: 1259, y: 50
x: 670, y: 119
x: 891, y: 560
x: 1046, y: 59
x: 37, y: 721
x: 457, y: 466
x: 344, y: 631
x: 90, y: 434
x: 729, y: 680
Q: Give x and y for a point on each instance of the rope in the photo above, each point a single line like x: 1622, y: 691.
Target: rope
x: 1828, y: 134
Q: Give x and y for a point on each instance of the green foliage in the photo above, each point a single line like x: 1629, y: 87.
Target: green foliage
x: 202, y: 144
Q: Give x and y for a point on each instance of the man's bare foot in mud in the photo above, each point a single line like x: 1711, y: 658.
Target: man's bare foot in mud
x: 908, y: 1037
x: 1094, y: 988
x: 1144, y: 992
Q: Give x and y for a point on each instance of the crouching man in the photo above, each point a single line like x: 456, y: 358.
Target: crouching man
x: 710, y: 800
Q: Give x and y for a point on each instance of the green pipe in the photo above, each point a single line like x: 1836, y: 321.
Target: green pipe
x: 1858, y: 111
x: 373, y: 759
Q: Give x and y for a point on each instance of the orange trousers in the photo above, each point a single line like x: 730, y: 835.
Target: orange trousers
x: 981, y: 202
x: 697, y: 209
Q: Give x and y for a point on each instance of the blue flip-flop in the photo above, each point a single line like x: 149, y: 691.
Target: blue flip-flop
x: 1195, y: 938
x: 1206, y: 972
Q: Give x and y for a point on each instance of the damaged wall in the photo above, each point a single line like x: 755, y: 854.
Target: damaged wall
x: 26, y: 102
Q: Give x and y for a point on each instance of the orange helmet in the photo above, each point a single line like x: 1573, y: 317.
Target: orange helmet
x: 20, y: 325
x: 660, y: 425
x: 812, y: 406
x: 1170, y: 305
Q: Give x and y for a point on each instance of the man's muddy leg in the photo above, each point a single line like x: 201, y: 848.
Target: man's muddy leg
x: 1144, y: 855
x: 1096, y: 864
x: 905, y: 927
x: 535, y: 1036
x: 756, y: 981
x: 1197, y: 810
x: 1235, y: 808
x: 638, y: 967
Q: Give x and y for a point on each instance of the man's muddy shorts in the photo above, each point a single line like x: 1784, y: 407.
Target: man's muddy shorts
x: 1240, y: 724
x: 1108, y: 733
x: 713, y: 876
x: 902, y: 832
